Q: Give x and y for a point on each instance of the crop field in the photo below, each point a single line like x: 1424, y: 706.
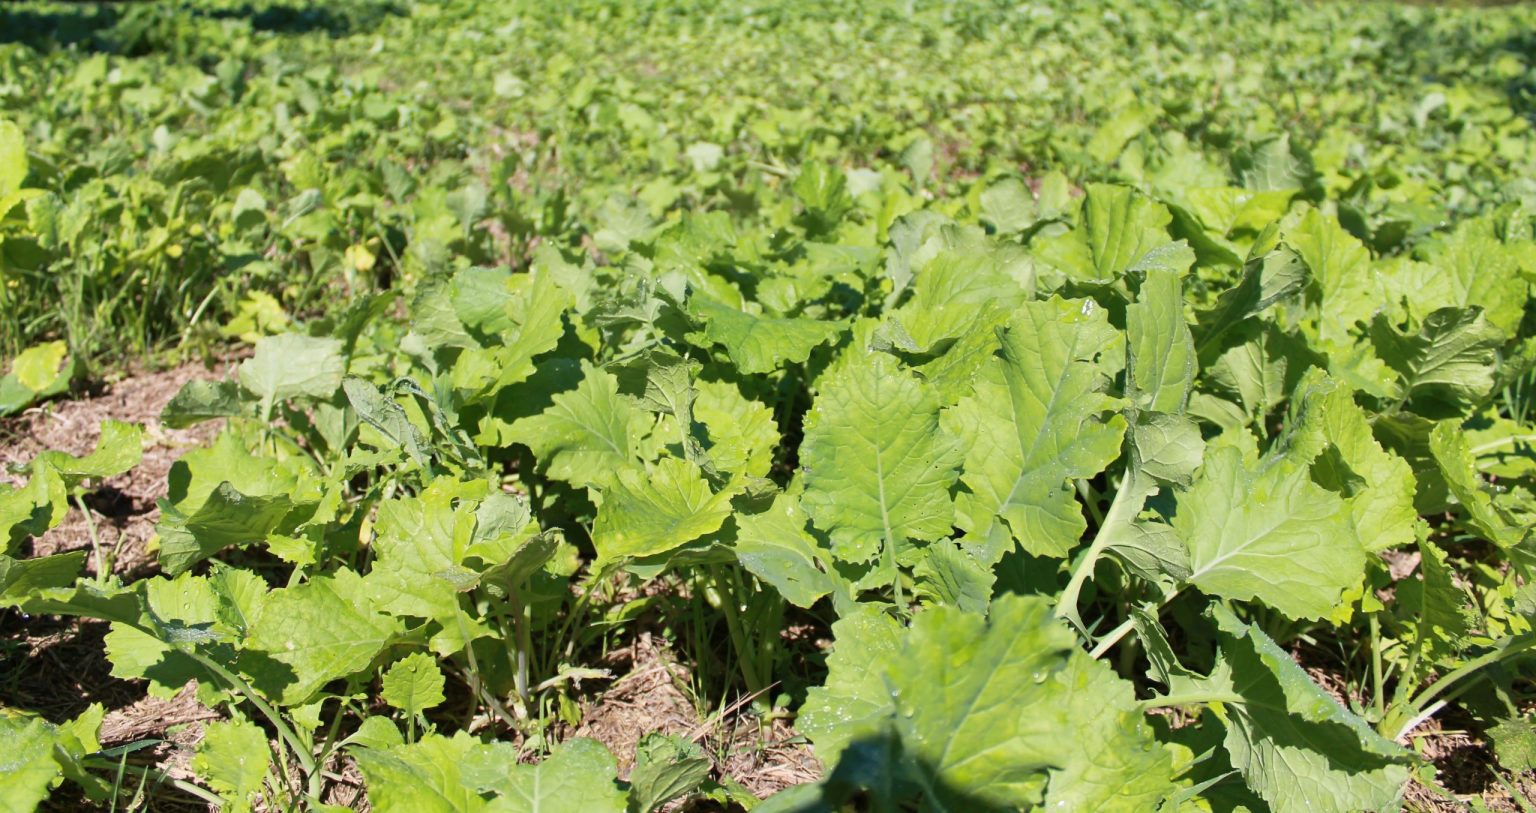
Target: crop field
x: 445, y: 406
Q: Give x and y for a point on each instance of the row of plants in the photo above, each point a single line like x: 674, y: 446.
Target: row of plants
x: 1076, y: 464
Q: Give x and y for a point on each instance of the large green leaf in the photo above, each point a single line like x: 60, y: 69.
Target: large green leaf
x: 1039, y: 418
x: 588, y: 435
x: 1117, y: 227
x: 644, y: 514
x: 1448, y: 366
x: 311, y: 634
x: 877, y: 466
x: 30, y: 769
x: 1265, y: 531
x: 581, y: 776
x: 777, y: 547
x: 1293, y: 743
x: 292, y: 365
x: 978, y: 705
x: 420, y: 777
x: 760, y: 344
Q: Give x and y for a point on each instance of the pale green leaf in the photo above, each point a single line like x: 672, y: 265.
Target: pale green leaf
x: 313, y: 633
x: 1293, y: 743
x: 233, y: 758
x: 1448, y: 366
x: 13, y: 159
x: 760, y: 344
x: 645, y: 514
x: 588, y: 434
x: 877, y: 467
x: 667, y: 766
x: 27, y: 765
x: 949, y: 575
x: 1265, y: 531
x: 293, y: 365
x: 413, y: 684
x: 581, y: 776
x: 1448, y: 446
x: 1039, y: 418
x: 854, y: 702
x: 1118, y: 226
x: 1160, y: 352
x: 778, y: 549
x: 39, y: 365
x: 422, y: 777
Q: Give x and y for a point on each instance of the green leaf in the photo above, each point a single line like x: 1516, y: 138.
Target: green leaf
x: 308, y: 635
x: 1448, y: 366
x: 667, y: 766
x: 1514, y: 742
x: 413, y: 684
x: 1293, y: 743
x: 1435, y: 608
x: 740, y: 433
x: 388, y: 417
x: 292, y: 365
x: 1265, y: 531
x: 187, y: 606
x: 233, y: 758
x: 588, y: 435
x: 199, y: 400
x: 30, y: 768
x: 824, y: 192
x: 226, y: 518
x: 23, y: 577
x: 1037, y: 419
x: 1341, y: 275
x: 778, y: 549
x: 1448, y: 446
x: 760, y: 344
x: 1330, y: 430
x: 422, y: 777
x: 1160, y: 352
x: 1268, y: 278
x: 877, y: 467
x: 581, y: 776
x: 1118, y: 227
x: 647, y: 514
x: 854, y: 702
x: 13, y: 159
x: 1484, y: 273
x: 420, y: 547
x: 978, y: 705
x: 119, y: 449
x: 949, y: 575
x: 40, y: 365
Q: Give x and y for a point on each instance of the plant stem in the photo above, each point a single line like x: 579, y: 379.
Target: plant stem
x: 1128, y: 501
x: 1114, y: 636
x: 1189, y: 699
x: 1501, y: 650
x: 160, y: 776
x: 524, y: 645
x: 746, y: 658
x: 103, y: 563
x: 1378, y: 680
